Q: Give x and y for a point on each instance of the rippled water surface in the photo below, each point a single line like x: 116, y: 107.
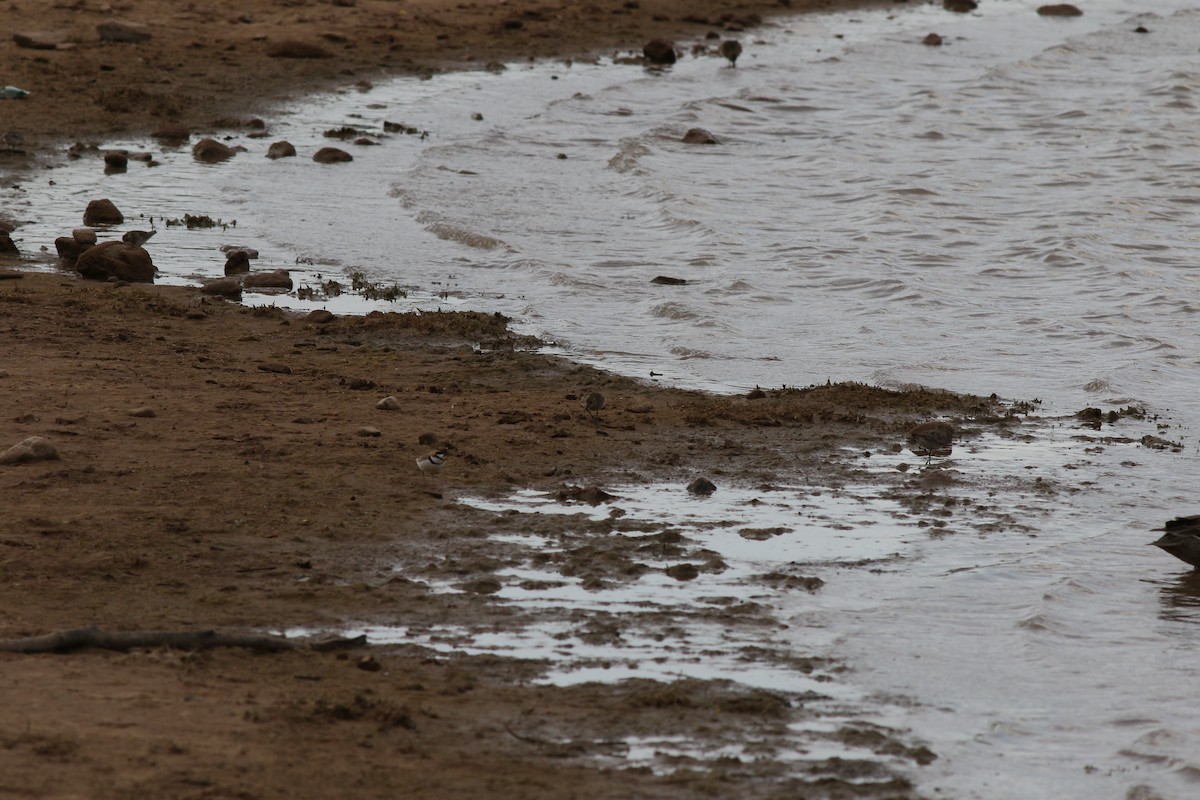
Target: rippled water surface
x: 1013, y: 212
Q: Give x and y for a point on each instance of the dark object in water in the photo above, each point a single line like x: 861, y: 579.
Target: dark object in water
x: 1182, y: 539
x: 931, y: 439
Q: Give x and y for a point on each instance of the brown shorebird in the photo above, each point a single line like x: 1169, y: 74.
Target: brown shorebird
x: 432, y: 462
x: 592, y: 402
x: 12, y: 141
x: 137, y: 238
x: 1182, y: 539
x: 731, y: 49
x: 931, y: 439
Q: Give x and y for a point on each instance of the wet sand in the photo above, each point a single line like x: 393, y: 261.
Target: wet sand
x: 227, y: 468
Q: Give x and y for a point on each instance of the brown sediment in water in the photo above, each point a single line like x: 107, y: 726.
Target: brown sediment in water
x: 227, y: 468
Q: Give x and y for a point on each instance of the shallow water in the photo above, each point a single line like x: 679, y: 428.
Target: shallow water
x: 1015, y: 211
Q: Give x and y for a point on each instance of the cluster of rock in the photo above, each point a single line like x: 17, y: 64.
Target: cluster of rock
x: 102, y: 261
x: 110, y: 31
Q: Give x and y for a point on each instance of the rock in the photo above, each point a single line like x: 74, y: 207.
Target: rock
x: 84, y: 236
x: 124, y: 32
x: 702, y: 486
x: 40, y: 40
x: 294, y: 49
x: 1059, y: 10
x: 331, y: 155
x: 237, y: 263
x: 277, y: 279
x: 69, y: 249
x: 145, y: 412
x: 659, y: 51
x: 960, y: 6
x: 7, y: 246
x: 320, y: 316
x: 102, y: 212
x: 281, y: 150
x: 223, y: 287
x: 276, y: 367
x: 369, y: 432
x: 368, y: 664
x: 932, y: 40
x: 699, y: 136
x: 211, y: 151
x: 592, y: 495
x: 389, y: 403
x: 172, y: 133
x: 116, y: 160
x: 427, y: 439
x: 683, y: 572
x: 116, y: 260
x: 35, y: 448
x: 664, y: 280
x: 231, y: 248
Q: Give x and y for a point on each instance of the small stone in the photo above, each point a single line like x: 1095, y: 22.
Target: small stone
x: 116, y: 160
x: 702, y: 486
x: 320, y: 316
x: 1059, y: 10
x: 34, y: 448
x: 276, y: 279
x: 102, y: 212
x: 237, y: 263
x: 659, y: 51
x: 369, y: 432
x: 84, y: 236
x: 331, y: 155
x: 276, y: 367
x: 683, y: 572
x: 294, y: 49
x: 368, y: 664
x: 699, y: 136
x: 123, y: 32
x: 666, y: 280
x: 281, y: 149
x: 427, y: 439
x: 223, y: 287
x: 932, y: 40
x: 211, y: 151
x: 389, y: 403
x: 40, y: 40
x: 145, y: 412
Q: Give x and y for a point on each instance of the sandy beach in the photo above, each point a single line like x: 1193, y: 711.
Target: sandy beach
x: 229, y: 469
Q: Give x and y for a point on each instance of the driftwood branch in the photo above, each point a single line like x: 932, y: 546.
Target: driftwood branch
x: 80, y: 638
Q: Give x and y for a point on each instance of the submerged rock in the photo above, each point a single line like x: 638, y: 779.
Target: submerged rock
x: 102, y: 212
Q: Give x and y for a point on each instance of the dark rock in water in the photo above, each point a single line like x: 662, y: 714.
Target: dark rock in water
x: 1059, y: 10
x: 278, y: 279
x: 699, y: 136
x: 331, y: 155
x: 932, y: 40
x: 223, y: 287
x: 281, y: 150
x: 701, y: 486
x: 211, y: 151
x: 102, y: 212
x: 664, y: 280
x: 7, y: 246
x: 294, y: 49
x: 237, y: 263
x: 116, y: 260
x: 731, y: 49
x: 659, y: 51
x: 683, y: 572
x: 116, y: 160
x: 123, y: 32
x: 960, y: 6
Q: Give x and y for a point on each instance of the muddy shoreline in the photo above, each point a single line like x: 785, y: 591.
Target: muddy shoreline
x: 228, y: 468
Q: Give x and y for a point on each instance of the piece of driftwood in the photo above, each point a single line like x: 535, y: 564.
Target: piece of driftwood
x: 80, y: 638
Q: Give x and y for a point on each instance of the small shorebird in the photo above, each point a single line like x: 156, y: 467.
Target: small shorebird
x: 432, y: 462
x: 1182, y: 539
x: 931, y: 439
x: 138, y: 238
x: 592, y: 402
x: 13, y: 140
x: 731, y: 49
